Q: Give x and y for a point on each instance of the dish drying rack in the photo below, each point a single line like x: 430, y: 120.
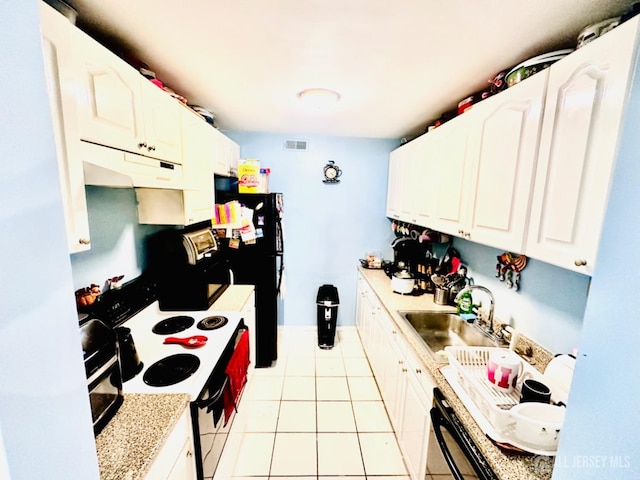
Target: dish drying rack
x: 470, y: 365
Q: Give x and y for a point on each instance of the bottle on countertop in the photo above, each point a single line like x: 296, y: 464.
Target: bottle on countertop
x: 465, y: 303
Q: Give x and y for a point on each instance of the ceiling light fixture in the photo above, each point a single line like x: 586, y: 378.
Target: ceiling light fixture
x: 319, y: 97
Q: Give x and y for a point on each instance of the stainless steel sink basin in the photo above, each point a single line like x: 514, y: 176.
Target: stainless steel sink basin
x: 442, y: 329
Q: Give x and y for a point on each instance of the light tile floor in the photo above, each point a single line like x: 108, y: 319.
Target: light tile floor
x: 316, y: 414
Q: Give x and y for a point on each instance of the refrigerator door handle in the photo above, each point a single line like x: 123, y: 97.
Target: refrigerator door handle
x: 279, y: 236
x: 280, y: 274
x: 231, y: 277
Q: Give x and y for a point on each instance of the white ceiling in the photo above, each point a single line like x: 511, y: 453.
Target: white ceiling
x: 396, y: 64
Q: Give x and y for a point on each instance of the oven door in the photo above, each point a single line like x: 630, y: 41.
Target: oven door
x: 212, y: 429
x: 456, y: 447
x: 211, y: 423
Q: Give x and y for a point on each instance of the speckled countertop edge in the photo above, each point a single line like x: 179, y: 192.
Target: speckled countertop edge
x: 506, y: 465
x: 129, y: 443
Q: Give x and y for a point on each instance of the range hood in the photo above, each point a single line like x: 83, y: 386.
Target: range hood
x: 110, y: 167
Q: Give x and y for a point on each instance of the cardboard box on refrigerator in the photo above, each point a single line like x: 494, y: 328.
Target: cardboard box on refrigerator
x: 249, y: 176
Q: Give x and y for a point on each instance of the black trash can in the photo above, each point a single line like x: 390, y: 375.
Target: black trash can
x: 327, y: 302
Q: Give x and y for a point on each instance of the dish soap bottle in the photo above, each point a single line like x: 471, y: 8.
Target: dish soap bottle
x: 465, y: 306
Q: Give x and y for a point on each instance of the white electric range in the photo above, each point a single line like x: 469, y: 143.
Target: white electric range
x: 151, y: 348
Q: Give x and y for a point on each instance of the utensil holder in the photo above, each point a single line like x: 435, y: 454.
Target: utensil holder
x: 441, y: 295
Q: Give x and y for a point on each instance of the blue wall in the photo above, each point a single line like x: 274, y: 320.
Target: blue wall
x: 327, y: 227
x: 117, y: 239
x: 549, y: 306
x: 45, y: 417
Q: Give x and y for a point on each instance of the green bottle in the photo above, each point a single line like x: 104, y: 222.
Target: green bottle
x: 465, y: 303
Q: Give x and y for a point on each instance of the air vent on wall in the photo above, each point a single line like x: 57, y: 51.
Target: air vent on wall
x: 296, y: 145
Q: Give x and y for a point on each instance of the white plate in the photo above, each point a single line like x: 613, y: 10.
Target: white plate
x: 541, y: 58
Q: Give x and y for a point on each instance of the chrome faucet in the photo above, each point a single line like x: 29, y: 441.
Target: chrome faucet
x: 492, y: 302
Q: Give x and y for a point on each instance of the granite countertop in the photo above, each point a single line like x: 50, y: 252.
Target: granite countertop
x: 506, y: 465
x: 129, y: 443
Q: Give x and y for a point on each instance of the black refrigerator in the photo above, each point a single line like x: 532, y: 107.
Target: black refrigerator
x: 259, y: 262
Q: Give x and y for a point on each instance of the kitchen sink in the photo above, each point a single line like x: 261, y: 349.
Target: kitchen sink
x: 439, y: 329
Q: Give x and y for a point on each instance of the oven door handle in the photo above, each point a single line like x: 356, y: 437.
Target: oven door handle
x: 438, y: 421
x: 214, y: 397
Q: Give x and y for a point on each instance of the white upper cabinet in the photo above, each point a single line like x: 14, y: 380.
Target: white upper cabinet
x: 501, y: 159
x: 119, y: 108
x: 161, y: 123
x: 451, y: 143
x: 528, y: 170
x: 401, y: 187
x: 195, y: 203
x: 423, y: 180
x: 584, y: 108
x: 58, y: 39
x: 486, y: 160
x: 393, y: 187
x: 226, y: 155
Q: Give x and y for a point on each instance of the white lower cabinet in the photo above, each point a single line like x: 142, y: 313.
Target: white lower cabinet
x: 176, y: 458
x: 406, y: 387
x: 415, y: 422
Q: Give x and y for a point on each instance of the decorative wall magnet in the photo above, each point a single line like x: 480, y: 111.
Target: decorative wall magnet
x: 331, y: 172
x: 508, y: 269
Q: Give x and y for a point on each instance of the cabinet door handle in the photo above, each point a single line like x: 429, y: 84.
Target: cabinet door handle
x: 151, y: 148
x: 142, y: 145
x: 84, y: 241
x: 467, y: 235
x: 404, y: 370
x: 418, y: 370
x: 461, y: 232
x: 580, y: 263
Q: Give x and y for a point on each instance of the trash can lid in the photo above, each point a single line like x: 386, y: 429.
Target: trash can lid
x: 327, y: 293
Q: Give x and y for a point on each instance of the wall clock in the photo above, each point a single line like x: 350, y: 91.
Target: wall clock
x: 332, y: 172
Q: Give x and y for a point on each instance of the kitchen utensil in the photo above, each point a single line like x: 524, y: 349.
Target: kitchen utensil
x: 503, y: 369
x: 194, y: 341
x: 441, y: 295
x: 534, y: 65
x: 129, y: 360
x: 402, y: 282
x: 538, y: 424
x: 534, y: 391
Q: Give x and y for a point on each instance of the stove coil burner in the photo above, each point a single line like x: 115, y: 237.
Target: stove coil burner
x: 213, y: 322
x: 171, y: 370
x: 172, y: 325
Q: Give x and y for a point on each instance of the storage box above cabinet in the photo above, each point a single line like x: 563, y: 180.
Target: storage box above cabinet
x: 119, y: 108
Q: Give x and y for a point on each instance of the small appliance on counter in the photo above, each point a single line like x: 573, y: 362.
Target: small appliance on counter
x: 130, y: 363
x: 186, y: 265
x: 102, y: 366
x: 412, y: 266
x: 403, y: 282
